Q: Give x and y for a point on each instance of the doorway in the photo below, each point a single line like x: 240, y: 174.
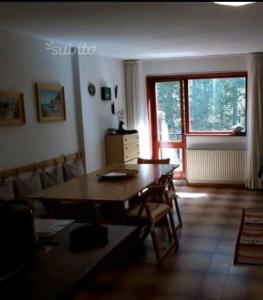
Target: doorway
x: 167, y: 116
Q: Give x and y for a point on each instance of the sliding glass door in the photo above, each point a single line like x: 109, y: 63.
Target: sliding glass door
x: 167, y: 121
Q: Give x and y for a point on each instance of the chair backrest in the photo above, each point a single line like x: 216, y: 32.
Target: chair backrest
x: 170, y: 193
x: 156, y: 193
x: 167, y: 180
x: 153, y: 161
x: 163, y: 180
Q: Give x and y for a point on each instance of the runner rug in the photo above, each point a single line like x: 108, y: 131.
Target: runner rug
x: 249, y: 246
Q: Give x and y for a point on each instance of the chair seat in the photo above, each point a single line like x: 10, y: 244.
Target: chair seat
x: 157, y: 210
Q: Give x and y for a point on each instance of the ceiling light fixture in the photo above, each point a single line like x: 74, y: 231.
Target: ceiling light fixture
x: 234, y: 3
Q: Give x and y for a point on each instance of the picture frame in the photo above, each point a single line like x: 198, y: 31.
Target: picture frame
x: 106, y: 93
x: 91, y: 89
x: 12, y: 109
x: 50, y: 100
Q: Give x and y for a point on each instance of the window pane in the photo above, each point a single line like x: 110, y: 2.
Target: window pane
x: 168, y: 111
x: 175, y: 155
x: 217, y: 104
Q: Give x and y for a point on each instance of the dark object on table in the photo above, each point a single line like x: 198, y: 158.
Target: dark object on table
x: 106, y: 93
x: 18, y: 240
x: 88, y: 237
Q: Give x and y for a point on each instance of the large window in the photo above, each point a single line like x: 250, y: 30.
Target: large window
x: 168, y: 104
x: 217, y: 105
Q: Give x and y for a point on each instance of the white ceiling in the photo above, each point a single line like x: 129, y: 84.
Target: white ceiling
x: 130, y: 30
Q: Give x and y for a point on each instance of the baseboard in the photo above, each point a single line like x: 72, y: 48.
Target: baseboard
x: 217, y: 185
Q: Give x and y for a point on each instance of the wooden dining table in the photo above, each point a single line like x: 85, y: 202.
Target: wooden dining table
x: 92, y: 188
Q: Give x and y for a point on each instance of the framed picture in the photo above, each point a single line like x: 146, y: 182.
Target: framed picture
x: 50, y: 102
x: 91, y: 89
x: 12, y: 110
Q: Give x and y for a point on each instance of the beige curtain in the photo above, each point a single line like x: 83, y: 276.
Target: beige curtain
x: 136, y: 104
x: 132, y: 92
x: 254, y: 120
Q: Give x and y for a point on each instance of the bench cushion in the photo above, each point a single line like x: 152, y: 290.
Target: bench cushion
x: 25, y: 187
x: 49, y: 179
x: 73, y: 170
x: 7, y: 190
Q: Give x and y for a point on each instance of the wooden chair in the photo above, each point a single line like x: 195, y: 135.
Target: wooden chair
x: 170, y: 191
x: 171, y: 197
x: 153, y: 161
x: 155, y: 211
x: 163, y: 161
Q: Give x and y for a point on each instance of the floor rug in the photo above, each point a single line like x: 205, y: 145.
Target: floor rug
x: 249, y: 246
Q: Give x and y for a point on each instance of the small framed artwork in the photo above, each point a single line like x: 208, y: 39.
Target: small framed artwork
x: 106, y: 93
x: 91, y: 89
x: 12, y: 110
x: 50, y: 102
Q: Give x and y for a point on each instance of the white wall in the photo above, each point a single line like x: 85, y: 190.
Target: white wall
x: 96, y: 114
x: 25, y: 61
x: 195, y: 65
x: 231, y: 63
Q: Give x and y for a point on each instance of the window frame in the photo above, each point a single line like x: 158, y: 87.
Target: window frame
x: 187, y: 106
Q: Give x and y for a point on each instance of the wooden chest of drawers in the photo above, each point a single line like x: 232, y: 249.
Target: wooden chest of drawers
x: 122, y: 148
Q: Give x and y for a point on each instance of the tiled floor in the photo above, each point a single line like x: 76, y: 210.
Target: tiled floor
x: 202, y: 268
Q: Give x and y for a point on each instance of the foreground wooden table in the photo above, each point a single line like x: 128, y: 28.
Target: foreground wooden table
x: 54, y: 275
x: 90, y: 188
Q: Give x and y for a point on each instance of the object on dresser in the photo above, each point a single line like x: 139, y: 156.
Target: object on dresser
x: 131, y: 131
x: 120, y: 115
x: 121, y: 130
x: 88, y: 237
x: 111, y: 131
x: 18, y: 239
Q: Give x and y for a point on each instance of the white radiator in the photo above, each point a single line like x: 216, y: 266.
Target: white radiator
x: 215, y: 166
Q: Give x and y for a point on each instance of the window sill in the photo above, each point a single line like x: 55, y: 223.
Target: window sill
x: 215, y: 134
